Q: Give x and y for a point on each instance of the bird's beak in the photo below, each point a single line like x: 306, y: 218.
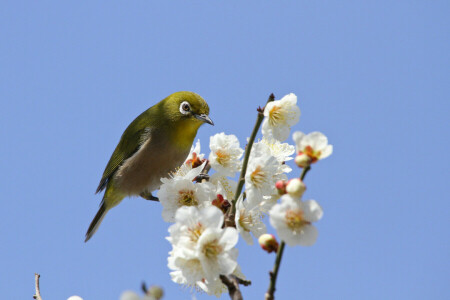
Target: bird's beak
x: 204, y: 118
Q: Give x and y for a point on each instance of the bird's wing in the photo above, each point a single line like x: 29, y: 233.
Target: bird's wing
x: 129, y: 144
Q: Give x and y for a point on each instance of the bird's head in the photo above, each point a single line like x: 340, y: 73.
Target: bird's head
x: 188, y: 108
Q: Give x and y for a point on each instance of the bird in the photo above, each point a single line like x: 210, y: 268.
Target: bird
x: 154, y: 145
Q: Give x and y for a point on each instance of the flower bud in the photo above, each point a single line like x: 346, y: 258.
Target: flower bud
x: 268, y: 242
x: 303, y: 160
x: 281, y: 187
x: 295, y: 188
x: 221, y: 203
x: 155, y: 292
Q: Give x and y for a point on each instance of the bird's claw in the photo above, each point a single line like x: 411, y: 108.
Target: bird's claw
x: 148, y: 196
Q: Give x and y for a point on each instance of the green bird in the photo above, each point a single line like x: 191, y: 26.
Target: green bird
x: 155, y: 144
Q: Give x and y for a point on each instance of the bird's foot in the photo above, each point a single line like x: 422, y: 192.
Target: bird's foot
x: 148, y: 196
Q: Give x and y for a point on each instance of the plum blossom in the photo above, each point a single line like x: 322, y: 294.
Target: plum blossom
x: 281, y: 151
x: 263, y: 171
x: 248, y: 219
x: 292, y: 219
x: 202, y: 249
x: 225, y: 154
x: 178, y: 192
x: 280, y: 115
x: 311, y: 147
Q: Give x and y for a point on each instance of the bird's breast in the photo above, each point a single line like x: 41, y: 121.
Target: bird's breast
x: 156, y: 158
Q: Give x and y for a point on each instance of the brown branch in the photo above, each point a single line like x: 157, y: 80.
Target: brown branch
x: 37, y: 296
x: 232, y: 283
x: 229, y: 219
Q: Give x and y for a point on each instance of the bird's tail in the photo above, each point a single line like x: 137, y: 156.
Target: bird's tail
x: 96, y: 222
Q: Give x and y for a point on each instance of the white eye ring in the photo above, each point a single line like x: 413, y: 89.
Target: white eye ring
x: 185, y: 107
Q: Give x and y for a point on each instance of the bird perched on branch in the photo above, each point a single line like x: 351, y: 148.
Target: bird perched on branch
x: 153, y: 145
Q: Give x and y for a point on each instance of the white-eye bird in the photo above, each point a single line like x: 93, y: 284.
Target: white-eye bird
x: 155, y: 144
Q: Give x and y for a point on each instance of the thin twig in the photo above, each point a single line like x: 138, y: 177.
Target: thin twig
x: 37, y: 296
x: 232, y: 283
x: 274, y: 274
x: 229, y: 220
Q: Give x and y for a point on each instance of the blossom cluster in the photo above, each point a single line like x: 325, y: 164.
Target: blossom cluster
x: 197, y: 204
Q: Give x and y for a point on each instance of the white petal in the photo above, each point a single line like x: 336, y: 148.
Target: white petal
x: 326, y: 152
x: 229, y: 238
x: 317, y: 140
x: 297, y: 137
x: 308, y: 236
x: 312, y: 211
x: 226, y: 264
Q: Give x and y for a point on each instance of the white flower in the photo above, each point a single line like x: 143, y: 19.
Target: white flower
x: 185, y: 270
x: 202, y: 249
x: 178, y: 192
x: 248, y: 219
x: 74, y: 298
x: 216, y: 252
x: 292, y: 219
x: 260, y: 176
x: 280, y: 115
x: 190, y: 223
x: 314, y: 146
x: 281, y: 151
x: 225, y: 154
x: 263, y: 171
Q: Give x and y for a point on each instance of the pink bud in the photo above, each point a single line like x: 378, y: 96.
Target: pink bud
x: 281, y: 187
x: 221, y: 203
x: 268, y: 242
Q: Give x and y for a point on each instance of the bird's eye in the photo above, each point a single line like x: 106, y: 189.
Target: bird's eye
x: 185, y: 107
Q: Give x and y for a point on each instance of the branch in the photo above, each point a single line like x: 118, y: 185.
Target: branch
x: 232, y: 283
x: 229, y: 220
x: 274, y: 274
x: 37, y: 296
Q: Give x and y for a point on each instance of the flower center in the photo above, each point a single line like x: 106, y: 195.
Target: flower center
x: 187, y: 198
x: 314, y: 155
x: 258, y: 176
x: 195, y: 232
x: 223, y: 157
x: 245, y: 220
x: 294, y: 219
x: 276, y: 115
x: 212, y: 249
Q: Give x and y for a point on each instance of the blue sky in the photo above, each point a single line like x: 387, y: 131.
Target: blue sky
x: 373, y: 76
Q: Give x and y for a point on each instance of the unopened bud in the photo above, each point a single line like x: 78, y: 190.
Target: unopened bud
x: 155, y: 292
x: 268, y: 242
x: 281, y: 187
x: 221, y: 203
x: 302, y: 160
x: 295, y: 188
